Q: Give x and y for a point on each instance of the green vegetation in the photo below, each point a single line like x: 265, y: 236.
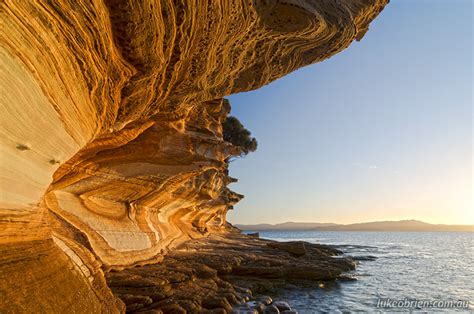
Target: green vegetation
x: 238, y: 135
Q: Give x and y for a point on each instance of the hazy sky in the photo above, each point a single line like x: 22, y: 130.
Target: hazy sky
x: 381, y: 131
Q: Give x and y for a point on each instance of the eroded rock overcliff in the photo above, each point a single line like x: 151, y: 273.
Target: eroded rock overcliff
x: 111, y: 128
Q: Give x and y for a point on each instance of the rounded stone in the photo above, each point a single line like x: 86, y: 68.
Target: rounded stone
x: 271, y: 309
x: 265, y: 300
x: 282, y: 306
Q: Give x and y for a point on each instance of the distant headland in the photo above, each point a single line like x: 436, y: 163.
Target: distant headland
x: 401, y: 225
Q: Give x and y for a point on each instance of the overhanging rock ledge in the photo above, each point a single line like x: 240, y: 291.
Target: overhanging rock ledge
x: 111, y: 138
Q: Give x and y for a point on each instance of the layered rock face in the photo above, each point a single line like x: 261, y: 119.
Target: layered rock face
x: 220, y: 273
x: 111, y: 128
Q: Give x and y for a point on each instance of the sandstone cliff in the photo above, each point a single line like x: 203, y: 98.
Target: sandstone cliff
x: 111, y: 138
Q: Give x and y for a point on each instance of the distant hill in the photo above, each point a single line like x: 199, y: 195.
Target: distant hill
x: 402, y: 225
x: 294, y: 226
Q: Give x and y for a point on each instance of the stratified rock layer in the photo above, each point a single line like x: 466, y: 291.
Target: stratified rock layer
x: 111, y: 137
x: 213, y: 274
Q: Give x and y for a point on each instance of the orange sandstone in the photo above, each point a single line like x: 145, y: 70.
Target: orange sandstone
x: 111, y: 138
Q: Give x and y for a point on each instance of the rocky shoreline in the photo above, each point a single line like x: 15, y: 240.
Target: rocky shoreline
x: 227, y: 273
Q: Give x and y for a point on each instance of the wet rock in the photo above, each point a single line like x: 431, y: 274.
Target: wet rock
x: 254, y: 235
x: 244, y: 310
x: 282, y: 306
x: 247, y: 297
x: 263, y: 286
x: 271, y: 309
x: 364, y: 258
x: 346, y: 278
x: 344, y: 264
x: 323, y: 249
x: 259, y: 306
x: 266, y: 300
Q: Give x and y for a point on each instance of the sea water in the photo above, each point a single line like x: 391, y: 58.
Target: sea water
x: 408, y: 266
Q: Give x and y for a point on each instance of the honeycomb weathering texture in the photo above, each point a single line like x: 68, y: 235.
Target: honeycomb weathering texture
x: 111, y: 137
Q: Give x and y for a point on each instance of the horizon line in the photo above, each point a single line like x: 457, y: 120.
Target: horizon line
x: 352, y: 223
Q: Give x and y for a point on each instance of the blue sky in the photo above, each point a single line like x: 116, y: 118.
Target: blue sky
x: 381, y: 131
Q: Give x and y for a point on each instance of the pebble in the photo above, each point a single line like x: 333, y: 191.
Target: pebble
x: 262, y: 304
x: 256, y: 305
x: 271, y: 309
x: 243, y: 310
x: 265, y: 300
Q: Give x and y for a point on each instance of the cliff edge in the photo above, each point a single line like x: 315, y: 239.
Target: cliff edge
x: 112, y: 152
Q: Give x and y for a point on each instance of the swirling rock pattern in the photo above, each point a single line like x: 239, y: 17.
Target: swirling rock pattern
x: 111, y: 139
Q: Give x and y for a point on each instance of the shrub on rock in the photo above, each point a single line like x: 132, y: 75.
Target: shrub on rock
x: 236, y: 134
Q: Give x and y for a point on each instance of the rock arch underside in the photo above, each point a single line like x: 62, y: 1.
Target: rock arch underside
x: 111, y: 129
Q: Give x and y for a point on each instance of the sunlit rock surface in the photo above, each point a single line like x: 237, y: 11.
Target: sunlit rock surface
x: 222, y: 271
x: 111, y: 137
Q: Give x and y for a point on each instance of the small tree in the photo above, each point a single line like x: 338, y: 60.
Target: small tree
x: 236, y: 134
